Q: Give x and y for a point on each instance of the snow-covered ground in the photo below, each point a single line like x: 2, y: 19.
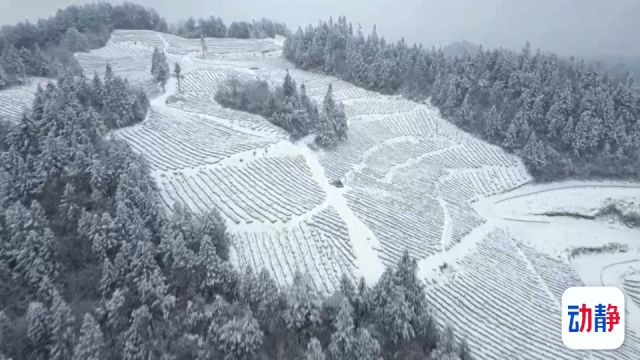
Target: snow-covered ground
x: 412, y: 180
x: 15, y: 100
x: 563, y: 235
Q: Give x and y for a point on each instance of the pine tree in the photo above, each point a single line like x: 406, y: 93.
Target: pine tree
x: 464, y: 351
x: 392, y: 310
x: 41, y: 65
x: 350, y: 344
x: 203, y: 43
x: 109, y: 277
x: 178, y: 253
x: 97, y: 93
x: 155, y: 57
x: 137, y: 338
x: 69, y: 209
x: 115, y: 313
x: 518, y: 132
x: 239, y: 338
x: 288, y: 87
x: 314, y: 350
x: 407, y: 274
x: 302, y: 316
x: 587, y: 133
x: 346, y: 287
x: 534, y: 153
x: 327, y: 131
x: 90, y: 345
x: 146, y: 280
x: 12, y: 64
x: 340, y: 121
x: 268, y: 311
x: 567, y: 135
x: 212, y: 225
x: 493, y: 124
x: 74, y: 41
x: 35, y: 62
x: 335, y: 114
x: 177, y: 72
x: 62, y: 334
x: 4, y: 78
x: 38, y: 330
x: 446, y: 349
x: 328, y: 104
x: 160, y: 67
x: 558, y: 115
x: 310, y: 107
x: 99, y: 231
x: 361, y: 304
x: 36, y: 259
x: 5, y: 331
x: 219, y: 275
x: 465, y: 113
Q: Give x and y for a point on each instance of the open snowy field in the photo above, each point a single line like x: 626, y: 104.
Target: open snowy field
x: 522, y: 260
x: 495, y: 265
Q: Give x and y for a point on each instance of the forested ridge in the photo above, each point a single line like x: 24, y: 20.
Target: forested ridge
x: 45, y: 48
x: 216, y: 28
x: 563, y: 117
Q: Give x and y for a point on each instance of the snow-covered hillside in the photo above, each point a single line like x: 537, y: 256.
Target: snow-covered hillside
x: 412, y: 181
x: 15, y: 100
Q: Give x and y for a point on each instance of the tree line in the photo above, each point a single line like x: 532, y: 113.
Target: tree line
x: 215, y: 27
x: 46, y: 47
x: 92, y: 267
x: 563, y: 117
x: 289, y: 108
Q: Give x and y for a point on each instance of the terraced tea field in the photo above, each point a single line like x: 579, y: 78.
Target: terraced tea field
x: 495, y: 264
x: 18, y: 99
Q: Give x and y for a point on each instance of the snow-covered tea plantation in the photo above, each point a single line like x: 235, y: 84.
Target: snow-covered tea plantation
x: 14, y: 101
x: 495, y: 251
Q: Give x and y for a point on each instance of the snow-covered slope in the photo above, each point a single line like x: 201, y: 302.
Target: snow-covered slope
x: 15, y: 100
x: 412, y: 181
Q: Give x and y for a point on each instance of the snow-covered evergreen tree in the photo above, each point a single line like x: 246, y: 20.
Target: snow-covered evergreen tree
x: 302, y: 315
x: 62, y: 332
x: 333, y: 121
x: 393, y: 312
x: 4, y: 78
x: 493, y: 124
x: 177, y: 71
x: 12, y: 64
x: 534, y: 153
x: 314, y: 350
x: 90, y: 344
x: 348, y: 343
x: 518, y: 132
x: 39, y: 330
x: 239, y: 338
x: 74, y: 41
x: 138, y: 338
x: 160, y: 67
